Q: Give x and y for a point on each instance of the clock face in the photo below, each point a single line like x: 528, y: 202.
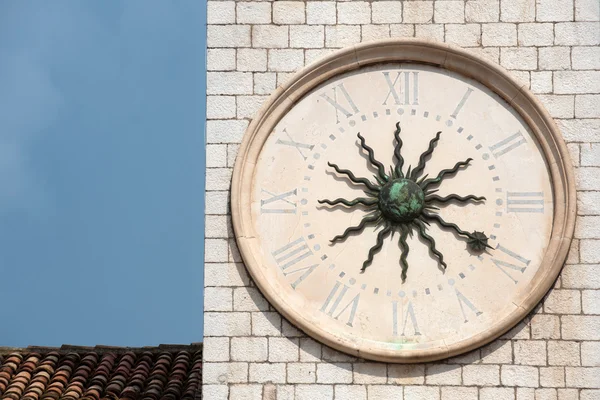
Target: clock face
x: 399, y: 211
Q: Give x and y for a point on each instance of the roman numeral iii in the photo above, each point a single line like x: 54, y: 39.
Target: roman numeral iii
x: 525, y: 202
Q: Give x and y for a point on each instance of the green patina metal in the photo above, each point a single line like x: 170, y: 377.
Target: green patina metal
x: 403, y: 202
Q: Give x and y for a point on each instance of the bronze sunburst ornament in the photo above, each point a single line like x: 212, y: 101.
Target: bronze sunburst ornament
x: 401, y: 202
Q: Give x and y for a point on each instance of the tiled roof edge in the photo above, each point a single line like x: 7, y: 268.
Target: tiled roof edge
x: 101, y: 349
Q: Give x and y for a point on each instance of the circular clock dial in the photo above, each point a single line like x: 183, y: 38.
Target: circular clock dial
x: 399, y: 211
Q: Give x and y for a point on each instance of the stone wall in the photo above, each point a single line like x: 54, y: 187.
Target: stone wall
x: 250, y: 351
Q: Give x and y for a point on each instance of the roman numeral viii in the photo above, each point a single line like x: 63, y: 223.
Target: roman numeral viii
x: 505, y: 266
x: 278, y: 203
x: 291, y: 254
x: 400, y: 88
x: 333, y: 301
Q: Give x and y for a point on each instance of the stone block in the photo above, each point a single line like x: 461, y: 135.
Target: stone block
x: 545, y: 326
x: 370, y: 373
x: 386, y: 12
x: 481, y: 375
x: 285, y: 60
x: 554, y: 10
x: 321, y: 12
x: 350, y: 392
x: 301, y: 373
x: 580, y: 327
x: 443, y: 374
x: 590, y: 354
x: 249, y: 349
x: 283, y: 349
x: 267, y: 372
x: 563, y: 302
x: 314, y: 392
x: 307, y: 36
x: 554, y: 58
x: 496, y: 393
x: 382, y: 392
x: 334, y: 373
x: 354, y: 12
x: 577, y: 33
x: 467, y: 35
x: 270, y: 36
x: 215, y: 349
x: 450, y: 11
x: 517, y: 10
x: 418, y: 12
x: 583, y: 377
x: 499, y: 34
x: 228, y: 83
x: 266, y: 324
x: 223, y: 373
x: 536, y: 34
x: 220, y: 12
x: 517, y: 375
x: 590, y: 300
x: 482, y: 11
x: 421, y: 392
x: 588, y: 106
x: 342, y: 35
x: 253, y: 12
x: 406, y: 374
x: 220, y: 60
x: 228, y: 36
x: 289, y: 12
x: 586, y: 57
x: 552, y: 376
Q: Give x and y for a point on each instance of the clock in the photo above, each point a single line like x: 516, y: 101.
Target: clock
x: 403, y: 201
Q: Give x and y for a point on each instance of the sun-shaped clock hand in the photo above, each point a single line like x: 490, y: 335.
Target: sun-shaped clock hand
x: 403, y: 202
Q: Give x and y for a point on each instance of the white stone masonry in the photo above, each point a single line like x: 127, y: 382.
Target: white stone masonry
x: 250, y: 351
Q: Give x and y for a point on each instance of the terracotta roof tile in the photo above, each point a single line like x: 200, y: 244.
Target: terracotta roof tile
x: 168, y: 372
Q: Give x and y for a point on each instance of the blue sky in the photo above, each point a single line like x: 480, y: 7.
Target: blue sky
x: 101, y: 172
